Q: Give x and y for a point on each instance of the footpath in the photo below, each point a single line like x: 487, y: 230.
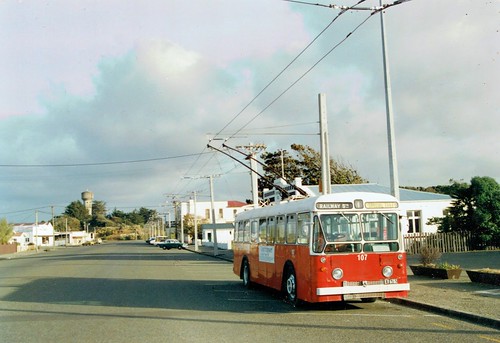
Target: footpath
x: 458, y: 298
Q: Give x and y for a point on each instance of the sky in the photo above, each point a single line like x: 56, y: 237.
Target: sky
x: 121, y: 98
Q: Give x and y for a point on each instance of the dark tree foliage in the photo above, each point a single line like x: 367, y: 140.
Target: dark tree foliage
x: 475, y: 209
x: 139, y: 217
x: 441, y: 189
x: 77, y: 210
x: 305, y: 163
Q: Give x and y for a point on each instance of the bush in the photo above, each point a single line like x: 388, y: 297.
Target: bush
x: 429, y: 255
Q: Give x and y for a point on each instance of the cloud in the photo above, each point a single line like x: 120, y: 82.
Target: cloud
x: 106, y: 88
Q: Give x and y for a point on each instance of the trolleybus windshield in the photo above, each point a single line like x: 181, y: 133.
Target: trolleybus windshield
x: 352, y: 232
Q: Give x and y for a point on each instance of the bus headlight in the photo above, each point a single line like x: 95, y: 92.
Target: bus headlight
x: 387, y: 271
x: 337, y: 273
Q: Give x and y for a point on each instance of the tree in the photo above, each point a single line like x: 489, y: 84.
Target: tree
x: 64, y: 222
x: 189, y: 224
x: 475, y: 209
x: 77, y: 210
x: 98, y: 208
x: 6, y: 231
x: 307, y: 165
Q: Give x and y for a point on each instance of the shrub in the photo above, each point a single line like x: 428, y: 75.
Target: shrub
x: 429, y: 255
x: 446, y: 265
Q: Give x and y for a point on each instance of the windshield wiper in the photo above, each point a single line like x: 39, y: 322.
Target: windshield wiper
x: 387, y: 217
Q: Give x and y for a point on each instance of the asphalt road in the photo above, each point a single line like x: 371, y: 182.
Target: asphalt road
x: 133, y: 292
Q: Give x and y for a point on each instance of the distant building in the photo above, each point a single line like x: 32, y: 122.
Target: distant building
x: 225, y: 235
x: 225, y: 211
x: 37, y: 234
x: 22, y: 240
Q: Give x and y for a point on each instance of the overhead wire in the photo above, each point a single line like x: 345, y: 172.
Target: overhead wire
x: 95, y: 163
x: 285, y: 68
x: 269, y: 84
x: 305, y: 73
x: 195, y: 162
x: 343, y: 9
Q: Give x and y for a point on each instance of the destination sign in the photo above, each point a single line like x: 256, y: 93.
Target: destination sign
x: 381, y: 204
x: 334, y: 205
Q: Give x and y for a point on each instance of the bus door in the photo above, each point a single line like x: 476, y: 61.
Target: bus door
x: 280, y: 251
x: 266, y: 254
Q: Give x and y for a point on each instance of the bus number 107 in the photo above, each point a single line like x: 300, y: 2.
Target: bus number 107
x: 362, y: 257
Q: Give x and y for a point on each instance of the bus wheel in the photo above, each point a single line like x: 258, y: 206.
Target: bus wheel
x: 291, y: 286
x: 246, y: 274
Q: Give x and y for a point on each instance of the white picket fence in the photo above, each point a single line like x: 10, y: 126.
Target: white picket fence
x: 445, y: 242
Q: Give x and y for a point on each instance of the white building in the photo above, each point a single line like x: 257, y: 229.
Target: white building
x: 37, y: 234
x: 225, y: 235
x: 22, y: 240
x: 225, y: 211
x: 74, y: 237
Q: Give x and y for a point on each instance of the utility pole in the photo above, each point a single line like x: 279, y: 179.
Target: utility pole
x: 326, y: 180
x: 213, y: 213
x: 393, y: 169
x: 53, y: 229
x: 393, y: 164
x: 252, y: 150
x: 212, y: 205
x: 36, y: 230
x: 195, y: 224
x: 181, y: 221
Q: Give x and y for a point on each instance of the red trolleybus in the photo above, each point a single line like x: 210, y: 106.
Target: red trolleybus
x: 334, y: 247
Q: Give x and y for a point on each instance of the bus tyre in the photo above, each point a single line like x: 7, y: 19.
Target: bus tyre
x: 245, y: 274
x: 290, y: 286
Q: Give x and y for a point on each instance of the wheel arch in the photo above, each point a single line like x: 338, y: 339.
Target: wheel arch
x: 243, y: 260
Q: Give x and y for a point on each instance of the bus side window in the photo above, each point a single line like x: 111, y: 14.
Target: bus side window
x: 271, y: 229
x: 262, y: 230
x: 280, y: 228
x: 241, y: 228
x: 254, y: 231
x: 318, y: 237
x: 246, y: 232
x: 291, y: 229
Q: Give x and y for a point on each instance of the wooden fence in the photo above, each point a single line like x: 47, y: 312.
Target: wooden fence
x: 8, y: 248
x: 445, y: 242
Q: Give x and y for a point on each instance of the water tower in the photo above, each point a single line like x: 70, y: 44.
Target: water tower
x: 87, y: 198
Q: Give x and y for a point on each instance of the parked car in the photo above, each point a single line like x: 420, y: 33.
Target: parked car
x: 158, y: 239
x: 172, y: 244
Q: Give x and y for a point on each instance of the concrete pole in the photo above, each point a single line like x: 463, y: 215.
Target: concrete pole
x: 195, y: 224
x: 181, y: 223
x: 36, y: 230
x: 213, y: 213
x: 255, y: 186
x: 393, y: 165
x: 326, y: 182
